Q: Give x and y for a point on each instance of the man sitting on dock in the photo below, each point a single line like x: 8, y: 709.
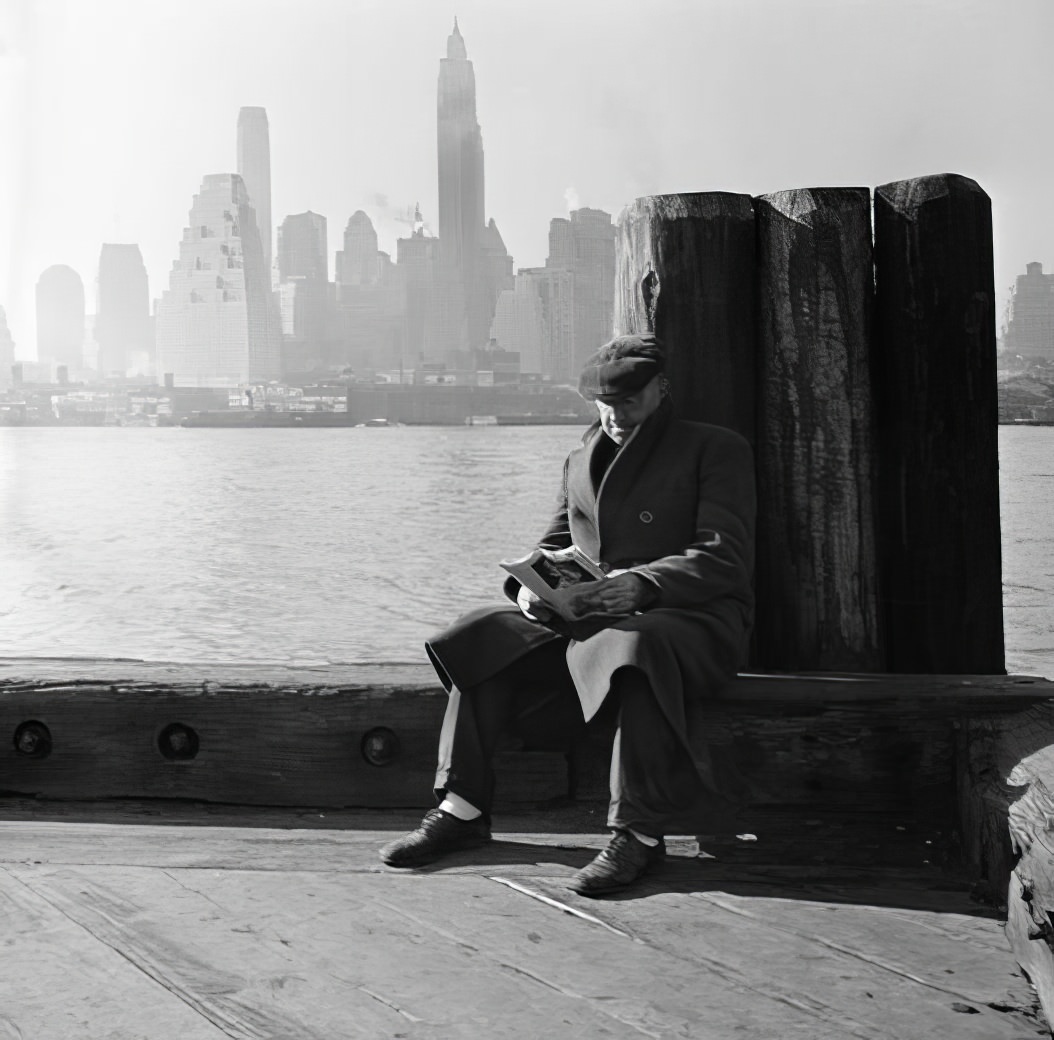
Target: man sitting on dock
x: 667, y: 509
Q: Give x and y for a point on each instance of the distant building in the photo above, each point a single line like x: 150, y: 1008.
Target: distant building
x: 555, y: 287
x: 254, y: 165
x: 217, y: 323
x: 123, y: 327
x: 476, y: 266
x: 302, y: 249
x: 519, y: 324
x: 460, y: 152
x: 585, y: 246
x: 371, y: 302
x: 577, y: 291
x: 436, y: 323
x: 60, y: 317
x: 358, y: 263
x: 7, y: 353
x: 1030, y: 328
x: 305, y: 294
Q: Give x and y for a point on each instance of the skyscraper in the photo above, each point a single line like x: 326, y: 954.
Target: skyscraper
x: 472, y: 254
x: 577, y: 290
x: 519, y: 323
x: 254, y: 165
x: 60, y: 317
x: 304, y: 289
x: 593, y: 266
x: 358, y: 263
x: 302, y: 250
x: 122, y: 315
x: 217, y: 323
x: 461, y: 207
x: 371, y: 307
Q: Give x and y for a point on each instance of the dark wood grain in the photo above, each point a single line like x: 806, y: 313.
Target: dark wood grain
x: 816, y: 569
x: 937, y: 413
x: 685, y: 271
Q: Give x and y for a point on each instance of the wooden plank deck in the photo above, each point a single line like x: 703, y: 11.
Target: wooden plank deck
x: 160, y: 919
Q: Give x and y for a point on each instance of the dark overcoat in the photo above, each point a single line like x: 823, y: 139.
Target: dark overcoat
x: 677, y: 505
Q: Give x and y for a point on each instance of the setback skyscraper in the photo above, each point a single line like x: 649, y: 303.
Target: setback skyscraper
x: 472, y: 255
x: 217, y: 323
x: 358, y: 263
x: 461, y: 199
x: 60, y: 317
x: 254, y: 165
x: 122, y: 317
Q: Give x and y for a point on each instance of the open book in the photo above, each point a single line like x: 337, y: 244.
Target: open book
x: 551, y: 574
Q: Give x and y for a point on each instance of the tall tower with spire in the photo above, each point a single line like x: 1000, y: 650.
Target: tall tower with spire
x: 462, y: 221
x: 461, y: 208
x: 254, y: 166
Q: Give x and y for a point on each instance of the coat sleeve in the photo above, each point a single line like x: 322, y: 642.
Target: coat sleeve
x: 557, y: 534
x: 719, y: 562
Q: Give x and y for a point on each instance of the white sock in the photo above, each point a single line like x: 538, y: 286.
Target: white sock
x: 644, y: 839
x: 457, y: 806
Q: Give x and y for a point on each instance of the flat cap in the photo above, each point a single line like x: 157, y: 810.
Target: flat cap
x: 622, y: 366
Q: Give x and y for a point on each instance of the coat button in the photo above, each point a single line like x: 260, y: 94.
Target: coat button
x: 646, y: 517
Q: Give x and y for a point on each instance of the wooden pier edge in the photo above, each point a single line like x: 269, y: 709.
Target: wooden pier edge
x: 969, y: 757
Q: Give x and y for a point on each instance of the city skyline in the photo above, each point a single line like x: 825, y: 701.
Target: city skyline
x: 575, y: 113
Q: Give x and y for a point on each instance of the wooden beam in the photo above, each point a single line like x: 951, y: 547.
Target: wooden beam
x: 937, y: 412
x: 816, y: 568
x: 685, y: 271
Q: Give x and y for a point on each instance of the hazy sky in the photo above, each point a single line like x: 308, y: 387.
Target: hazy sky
x: 112, y: 111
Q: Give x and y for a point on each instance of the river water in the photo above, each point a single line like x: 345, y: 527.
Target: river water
x: 338, y: 546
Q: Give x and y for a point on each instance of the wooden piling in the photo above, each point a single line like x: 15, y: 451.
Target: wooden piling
x: 816, y: 572
x: 685, y: 271
x: 937, y: 414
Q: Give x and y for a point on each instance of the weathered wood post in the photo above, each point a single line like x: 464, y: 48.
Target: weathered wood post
x: 685, y: 271
x: 935, y: 389
x: 816, y: 570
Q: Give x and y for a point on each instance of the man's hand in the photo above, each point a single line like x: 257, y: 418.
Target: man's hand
x: 532, y: 606
x: 623, y: 594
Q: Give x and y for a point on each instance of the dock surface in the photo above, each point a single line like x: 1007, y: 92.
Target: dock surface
x: 193, y: 922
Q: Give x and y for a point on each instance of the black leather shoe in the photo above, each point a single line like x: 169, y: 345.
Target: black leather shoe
x: 438, y: 834
x: 620, y: 864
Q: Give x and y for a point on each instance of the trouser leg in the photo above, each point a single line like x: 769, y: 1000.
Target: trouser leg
x: 652, y: 776
x: 533, y: 699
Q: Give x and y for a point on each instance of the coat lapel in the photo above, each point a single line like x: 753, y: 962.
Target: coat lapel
x: 628, y: 465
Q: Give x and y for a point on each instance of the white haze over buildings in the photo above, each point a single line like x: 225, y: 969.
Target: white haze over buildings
x: 113, y: 111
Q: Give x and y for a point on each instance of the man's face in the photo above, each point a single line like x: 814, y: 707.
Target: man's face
x: 619, y: 416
